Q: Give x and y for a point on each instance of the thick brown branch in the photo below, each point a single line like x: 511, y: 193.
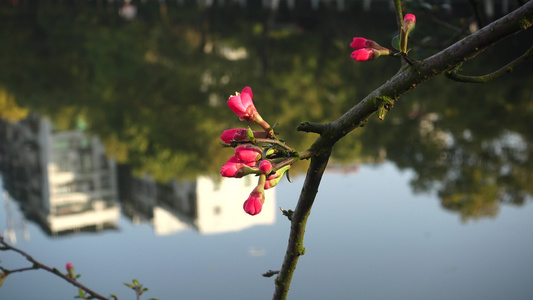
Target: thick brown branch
x: 311, y: 127
x: 295, y: 247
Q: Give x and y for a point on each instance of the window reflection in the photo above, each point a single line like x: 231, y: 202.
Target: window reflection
x: 63, y: 180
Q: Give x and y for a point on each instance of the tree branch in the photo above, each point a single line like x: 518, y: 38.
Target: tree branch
x: 295, y: 247
x: 311, y: 127
x: 405, y: 80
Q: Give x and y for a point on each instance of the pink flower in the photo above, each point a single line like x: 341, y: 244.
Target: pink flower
x: 248, y: 153
x: 265, y: 166
x: 235, y: 168
x: 69, y: 267
x: 242, y: 105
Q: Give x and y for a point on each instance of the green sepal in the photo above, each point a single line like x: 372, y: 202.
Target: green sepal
x: 288, y: 176
x: 382, y: 112
x: 250, y: 134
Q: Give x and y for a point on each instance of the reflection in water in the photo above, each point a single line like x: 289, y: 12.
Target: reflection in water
x: 67, y: 184
x: 158, y: 102
x: 203, y: 204
x: 63, y: 178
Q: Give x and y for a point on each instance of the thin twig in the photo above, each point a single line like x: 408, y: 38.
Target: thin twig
x: 488, y: 77
x: 38, y: 265
x: 399, y: 14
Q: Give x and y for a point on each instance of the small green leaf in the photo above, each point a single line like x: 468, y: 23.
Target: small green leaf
x: 81, y: 293
x: 113, y: 296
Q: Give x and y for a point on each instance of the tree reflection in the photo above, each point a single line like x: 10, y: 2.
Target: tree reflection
x: 152, y: 89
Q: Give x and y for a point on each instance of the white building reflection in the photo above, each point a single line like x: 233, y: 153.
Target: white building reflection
x: 207, y: 205
x: 66, y: 184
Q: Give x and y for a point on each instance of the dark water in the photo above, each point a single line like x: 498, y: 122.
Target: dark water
x: 110, y: 153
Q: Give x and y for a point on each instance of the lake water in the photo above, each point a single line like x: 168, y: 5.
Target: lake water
x: 363, y: 241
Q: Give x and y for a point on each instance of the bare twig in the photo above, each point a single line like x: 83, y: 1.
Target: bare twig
x: 454, y: 75
x: 270, y: 273
x: 38, y: 265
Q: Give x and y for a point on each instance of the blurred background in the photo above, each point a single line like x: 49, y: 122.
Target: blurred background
x: 110, y: 117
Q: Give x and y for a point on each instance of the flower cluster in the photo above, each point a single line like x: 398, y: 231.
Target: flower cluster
x: 256, y: 152
x: 368, y: 50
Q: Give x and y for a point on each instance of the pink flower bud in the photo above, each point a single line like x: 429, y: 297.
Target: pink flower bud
x: 248, y: 153
x: 369, y: 54
x: 235, y: 168
x: 69, y: 267
x: 359, y: 43
x: 70, y: 271
x: 271, y: 182
x: 254, y: 203
x: 363, y: 54
x: 275, y: 177
x: 409, y: 21
x: 265, y: 167
x: 229, y: 135
x: 240, y: 134
x: 409, y: 18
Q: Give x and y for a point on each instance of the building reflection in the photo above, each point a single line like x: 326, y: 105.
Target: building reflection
x: 63, y: 180
x: 65, y: 183
x: 205, y: 204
